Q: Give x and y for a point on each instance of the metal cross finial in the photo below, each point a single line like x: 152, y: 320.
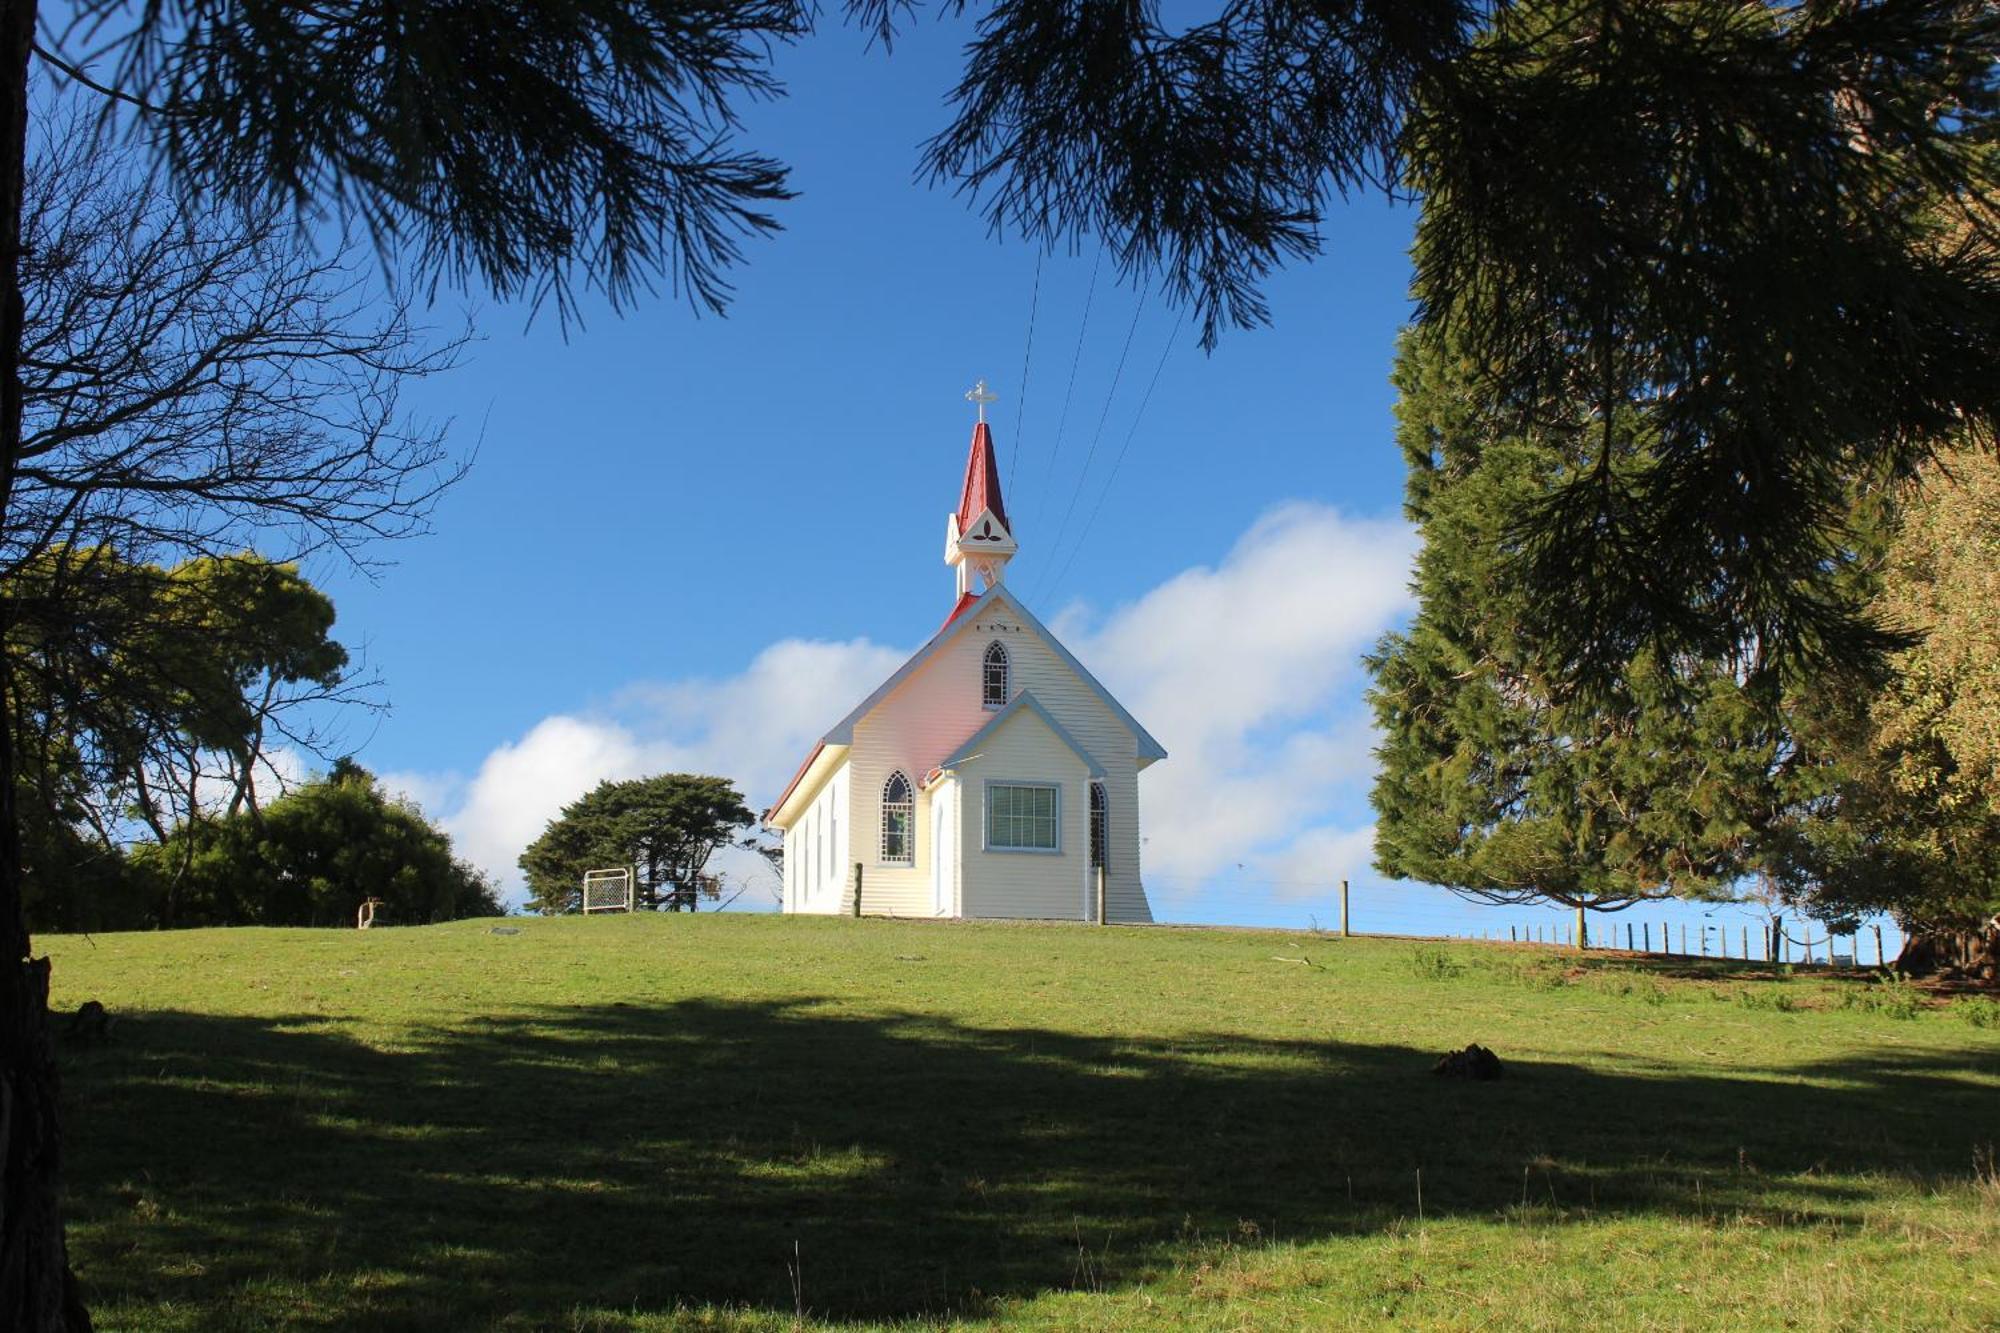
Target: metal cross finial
x: 982, y: 395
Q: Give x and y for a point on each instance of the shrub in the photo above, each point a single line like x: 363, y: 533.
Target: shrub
x: 1980, y: 1011
x: 1893, y: 996
x: 1763, y: 998
x: 1431, y: 964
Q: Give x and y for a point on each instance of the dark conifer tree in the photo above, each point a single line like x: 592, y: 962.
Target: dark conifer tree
x: 1496, y: 782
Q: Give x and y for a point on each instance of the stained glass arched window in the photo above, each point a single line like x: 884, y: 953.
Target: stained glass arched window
x: 898, y: 820
x: 993, y: 677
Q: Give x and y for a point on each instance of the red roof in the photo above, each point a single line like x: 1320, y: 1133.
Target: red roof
x: 982, y: 481
x: 965, y: 599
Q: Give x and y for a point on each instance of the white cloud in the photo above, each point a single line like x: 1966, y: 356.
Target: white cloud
x: 522, y: 785
x: 756, y: 726
x: 752, y: 727
x: 1247, y: 672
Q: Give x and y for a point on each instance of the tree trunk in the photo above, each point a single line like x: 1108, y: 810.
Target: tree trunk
x: 1971, y: 954
x: 38, y: 1293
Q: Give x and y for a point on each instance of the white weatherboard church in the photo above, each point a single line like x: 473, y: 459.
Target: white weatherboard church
x: 991, y: 776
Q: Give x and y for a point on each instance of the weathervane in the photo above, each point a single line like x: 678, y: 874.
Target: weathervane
x: 982, y: 395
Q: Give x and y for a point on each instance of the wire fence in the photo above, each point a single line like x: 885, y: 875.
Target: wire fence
x: 1746, y: 929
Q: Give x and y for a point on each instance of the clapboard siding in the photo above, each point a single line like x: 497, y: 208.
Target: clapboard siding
x: 1039, y: 885
x: 817, y: 847
x: 922, y: 721
x: 1071, y: 701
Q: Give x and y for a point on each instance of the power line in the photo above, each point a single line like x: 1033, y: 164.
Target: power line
x: 1090, y: 456
x: 1139, y: 416
x: 1076, y: 357
x: 1021, y: 398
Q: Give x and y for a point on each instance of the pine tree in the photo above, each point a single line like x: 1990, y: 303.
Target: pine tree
x: 1493, y: 780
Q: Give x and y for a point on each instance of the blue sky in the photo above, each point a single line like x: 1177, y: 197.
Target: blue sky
x: 692, y: 543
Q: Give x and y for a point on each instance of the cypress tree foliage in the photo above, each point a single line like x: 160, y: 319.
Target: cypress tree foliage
x: 666, y: 827
x: 1492, y: 781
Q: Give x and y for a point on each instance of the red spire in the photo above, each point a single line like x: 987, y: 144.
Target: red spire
x: 982, y: 481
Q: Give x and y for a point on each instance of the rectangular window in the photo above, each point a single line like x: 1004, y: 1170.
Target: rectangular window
x: 1021, y: 817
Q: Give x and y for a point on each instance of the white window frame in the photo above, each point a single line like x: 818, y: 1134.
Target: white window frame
x: 1006, y: 664
x: 986, y: 817
x: 908, y: 809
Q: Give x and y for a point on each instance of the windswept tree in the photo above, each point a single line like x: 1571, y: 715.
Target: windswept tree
x: 665, y: 827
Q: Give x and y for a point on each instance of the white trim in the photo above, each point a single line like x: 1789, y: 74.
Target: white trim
x: 1024, y: 700
x: 843, y: 731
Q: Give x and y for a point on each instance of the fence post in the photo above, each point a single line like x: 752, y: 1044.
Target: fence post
x: 1514, y: 935
x: 1100, y: 893
x: 1343, y: 909
x: 1628, y: 937
x: 1646, y: 935
x: 857, y: 888
x: 1878, y: 946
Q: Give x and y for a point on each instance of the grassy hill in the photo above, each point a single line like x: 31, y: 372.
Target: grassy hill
x: 729, y: 1122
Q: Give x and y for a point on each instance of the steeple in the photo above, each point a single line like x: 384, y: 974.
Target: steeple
x: 977, y: 540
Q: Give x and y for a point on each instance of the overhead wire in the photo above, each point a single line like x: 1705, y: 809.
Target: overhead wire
x: 1090, y: 455
x: 1021, y: 396
x: 1173, y: 334
x: 1076, y: 359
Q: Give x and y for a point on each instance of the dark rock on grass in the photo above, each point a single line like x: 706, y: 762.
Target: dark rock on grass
x: 1474, y: 1062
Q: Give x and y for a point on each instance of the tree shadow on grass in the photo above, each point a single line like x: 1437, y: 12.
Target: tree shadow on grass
x: 772, y: 1156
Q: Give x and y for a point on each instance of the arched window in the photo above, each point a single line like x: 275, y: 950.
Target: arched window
x: 898, y: 818
x: 1100, y: 825
x: 993, y: 677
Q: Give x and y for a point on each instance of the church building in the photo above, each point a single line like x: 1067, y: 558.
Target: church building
x: 990, y: 776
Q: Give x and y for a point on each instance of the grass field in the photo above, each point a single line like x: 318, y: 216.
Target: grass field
x: 753, y: 1122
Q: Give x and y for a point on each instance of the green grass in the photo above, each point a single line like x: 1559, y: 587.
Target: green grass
x: 717, y: 1122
